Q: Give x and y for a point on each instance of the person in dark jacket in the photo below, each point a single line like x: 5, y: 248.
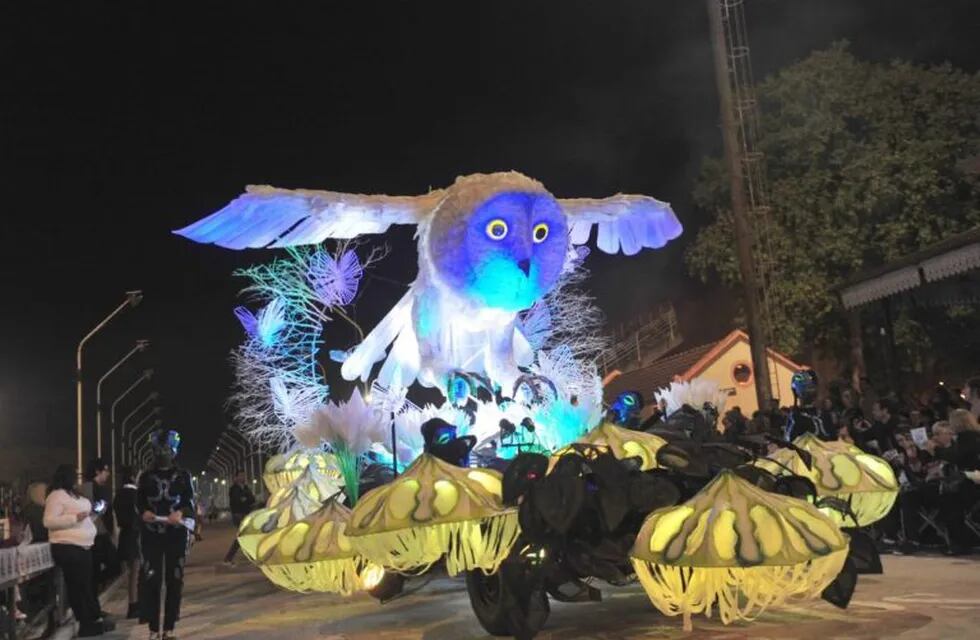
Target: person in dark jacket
x: 128, y: 519
x: 105, y: 561
x: 34, y: 511
x: 961, y: 492
x: 880, y: 437
x: 241, y: 500
x: 967, y: 431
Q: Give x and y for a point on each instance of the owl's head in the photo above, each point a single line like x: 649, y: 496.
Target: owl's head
x: 498, y: 240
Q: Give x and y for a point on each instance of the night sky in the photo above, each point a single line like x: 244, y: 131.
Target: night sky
x: 121, y: 123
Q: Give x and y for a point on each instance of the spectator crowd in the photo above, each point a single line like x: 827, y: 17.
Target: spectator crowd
x: 932, y: 443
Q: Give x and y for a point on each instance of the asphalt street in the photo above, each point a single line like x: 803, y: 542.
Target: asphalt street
x: 918, y: 598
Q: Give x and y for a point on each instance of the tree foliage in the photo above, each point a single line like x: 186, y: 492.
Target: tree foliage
x: 866, y: 164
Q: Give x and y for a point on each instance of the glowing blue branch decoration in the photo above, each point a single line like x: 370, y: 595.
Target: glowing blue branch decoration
x: 279, y: 381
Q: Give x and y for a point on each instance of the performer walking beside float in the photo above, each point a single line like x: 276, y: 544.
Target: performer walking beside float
x: 166, y: 501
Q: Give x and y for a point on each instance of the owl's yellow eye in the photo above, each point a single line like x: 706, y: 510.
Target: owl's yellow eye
x: 540, y: 232
x: 497, y: 229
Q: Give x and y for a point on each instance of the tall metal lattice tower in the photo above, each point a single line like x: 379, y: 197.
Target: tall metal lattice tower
x: 752, y: 159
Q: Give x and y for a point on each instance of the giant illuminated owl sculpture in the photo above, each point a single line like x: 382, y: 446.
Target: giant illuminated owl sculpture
x: 490, y: 246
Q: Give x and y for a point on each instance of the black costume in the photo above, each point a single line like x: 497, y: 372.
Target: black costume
x: 163, y: 491
x: 241, y: 501
x: 105, y: 561
x: 805, y: 420
x: 804, y: 417
x: 625, y: 410
x: 128, y: 518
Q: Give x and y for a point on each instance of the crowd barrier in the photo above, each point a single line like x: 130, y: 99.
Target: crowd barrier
x: 22, y: 565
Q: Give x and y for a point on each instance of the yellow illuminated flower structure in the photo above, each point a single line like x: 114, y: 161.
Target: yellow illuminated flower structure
x: 282, y: 469
x: 270, y: 475
x: 840, y: 470
x: 286, y: 505
x: 312, y: 553
x: 736, y: 547
x: 431, y: 510
x: 315, y: 483
x: 623, y: 443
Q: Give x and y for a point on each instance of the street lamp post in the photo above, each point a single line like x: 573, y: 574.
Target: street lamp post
x: 222, y: 467
x: 248, y: 453
x: 215, y: 453
x: 253, y: 460
x: 152, y: 397
x: 229, y: 441
x: 259, y: 454
x: 141, y: 451
x: 261, y: 459
x: 146, y: 375
x: 133, y: 298
x: 218, y: 469
x: 220, y: 460
x: 145, y: 422
x: 144, y: 453
x: 141, y: 345
x: 233, y: 458
x: 225, y: 459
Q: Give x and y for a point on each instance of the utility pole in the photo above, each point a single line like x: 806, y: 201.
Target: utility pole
x: 743, y: 226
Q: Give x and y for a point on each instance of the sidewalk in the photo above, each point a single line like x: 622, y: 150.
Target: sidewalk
x: 204, y: 572
x: 918, y: 598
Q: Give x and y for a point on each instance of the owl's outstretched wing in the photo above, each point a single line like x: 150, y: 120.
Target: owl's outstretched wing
x: 626, y: 222
x: 267, y: 217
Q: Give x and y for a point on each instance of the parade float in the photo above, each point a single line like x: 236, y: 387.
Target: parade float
x: 517, y: 478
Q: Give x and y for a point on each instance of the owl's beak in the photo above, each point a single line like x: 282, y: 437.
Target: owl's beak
x: 524, y: 265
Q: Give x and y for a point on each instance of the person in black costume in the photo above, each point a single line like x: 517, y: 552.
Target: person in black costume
x: 691, y: 423
x: 442, y: 442
x: 128, y: 519
x: 241, y: 501
x: 804, y: 417
x: 625, y: 410
x: 165, y: 499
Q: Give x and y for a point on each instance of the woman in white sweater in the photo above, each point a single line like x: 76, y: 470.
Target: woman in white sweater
x: 71, y: 532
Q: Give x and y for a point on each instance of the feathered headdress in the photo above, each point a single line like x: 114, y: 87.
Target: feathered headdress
x: 695, y: 394
x: 349, y: 429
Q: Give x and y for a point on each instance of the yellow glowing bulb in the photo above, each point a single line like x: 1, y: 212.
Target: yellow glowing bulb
x: 372, y: 576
